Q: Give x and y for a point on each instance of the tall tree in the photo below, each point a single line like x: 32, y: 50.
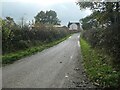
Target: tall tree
x: 40, y: 17
x: 48, y: 17
x: 108, y: 11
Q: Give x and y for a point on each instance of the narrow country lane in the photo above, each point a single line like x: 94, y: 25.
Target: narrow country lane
x: 57, y: 67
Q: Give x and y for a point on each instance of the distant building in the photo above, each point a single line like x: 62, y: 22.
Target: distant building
x: 74, y: 26
x: 57, y: 26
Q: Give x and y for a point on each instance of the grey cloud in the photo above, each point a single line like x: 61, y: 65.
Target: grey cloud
x: 66, y: 11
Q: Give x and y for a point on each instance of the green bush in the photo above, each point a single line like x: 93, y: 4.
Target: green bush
x: 108, y: 39
x: 15, y: 38
x: 11, y: 57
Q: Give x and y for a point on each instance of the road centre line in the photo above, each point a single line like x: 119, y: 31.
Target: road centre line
x: 78, y: 43
x: 71, y: 57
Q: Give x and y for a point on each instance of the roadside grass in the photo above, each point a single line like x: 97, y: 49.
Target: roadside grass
x: 10, y: 58
x: 98, y: 68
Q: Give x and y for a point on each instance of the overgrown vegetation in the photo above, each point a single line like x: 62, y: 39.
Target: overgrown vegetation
x: 107, y: 39
x: 18, y: 37
x: 101, y: 52
x: 11, y: 57
x: 21, y: 39
x: 101, y: 28
x: 98, y: 67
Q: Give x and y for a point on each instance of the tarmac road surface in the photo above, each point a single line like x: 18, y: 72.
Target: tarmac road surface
x: 57, y: 67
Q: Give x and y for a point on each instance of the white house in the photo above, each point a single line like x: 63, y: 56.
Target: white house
x: 74, y: 26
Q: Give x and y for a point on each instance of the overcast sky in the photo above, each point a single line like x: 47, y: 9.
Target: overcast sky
x: 67, y: 10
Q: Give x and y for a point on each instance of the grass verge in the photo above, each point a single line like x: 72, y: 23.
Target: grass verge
x: 97, y: 68
x: 10, y: 58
